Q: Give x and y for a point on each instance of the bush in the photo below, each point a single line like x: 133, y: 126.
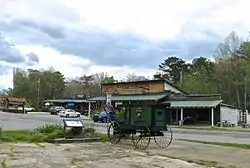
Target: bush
x: 49, y: 128
x: 46, y: 132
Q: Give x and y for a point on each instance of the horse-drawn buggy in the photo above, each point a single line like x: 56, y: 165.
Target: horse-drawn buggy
x: 141, y: 122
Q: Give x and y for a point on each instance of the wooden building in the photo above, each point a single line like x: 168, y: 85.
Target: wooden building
x: 204, y: 109
x: 11, y: 104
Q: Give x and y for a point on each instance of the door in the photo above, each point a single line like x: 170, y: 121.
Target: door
x: 160, y: 117
x: 71, y: 113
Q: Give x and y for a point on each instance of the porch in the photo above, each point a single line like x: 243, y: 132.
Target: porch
x: 196, y: 112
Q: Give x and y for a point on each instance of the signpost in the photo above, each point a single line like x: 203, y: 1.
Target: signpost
x: 108, y: 99
x: 75, y: 124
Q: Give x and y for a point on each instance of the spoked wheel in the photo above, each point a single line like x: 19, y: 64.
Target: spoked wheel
x: 165, y: 140
x: 141, y: 138
x: 114, y: 132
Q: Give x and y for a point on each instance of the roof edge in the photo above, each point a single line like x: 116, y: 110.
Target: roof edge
x: 231, y: 106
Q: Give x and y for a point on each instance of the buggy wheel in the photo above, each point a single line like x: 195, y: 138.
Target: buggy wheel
x: 114, y: 132
x: 141, y: 139
x: 165, y: 140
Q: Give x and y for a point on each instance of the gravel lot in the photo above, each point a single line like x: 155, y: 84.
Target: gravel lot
x: 88, y: 155
x: 96, y: 155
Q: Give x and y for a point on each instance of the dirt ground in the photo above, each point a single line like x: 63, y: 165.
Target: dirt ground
x: 92, y: 155
x: 99, y: 155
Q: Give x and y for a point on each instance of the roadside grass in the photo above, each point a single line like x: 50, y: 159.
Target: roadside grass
x: 3, y: 164
x: 224, y: 144
x: 219, y: 129
x: 46, y: 132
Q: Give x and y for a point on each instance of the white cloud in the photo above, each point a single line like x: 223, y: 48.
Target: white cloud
x: 155, y: 19
x: 6, y: 81
x: 73, y: 66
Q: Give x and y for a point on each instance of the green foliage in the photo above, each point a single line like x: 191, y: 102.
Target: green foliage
x: 228, y: 75
x: 25, y: 84
x: 49, y: 128
x: 46, y: 132
x: 3, y: 164
x: 121, y: 112
x: 171, y: 69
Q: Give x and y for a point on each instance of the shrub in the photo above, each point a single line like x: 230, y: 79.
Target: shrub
x: 49, y: 128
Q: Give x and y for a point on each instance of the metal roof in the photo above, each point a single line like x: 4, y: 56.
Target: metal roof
x: 192, y: 104
x: 67, y: 101
x: 140, y: 97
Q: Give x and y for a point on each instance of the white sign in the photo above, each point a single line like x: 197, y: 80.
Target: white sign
x: 108, y: 99
x: 73, y: 123
x: 118, y: 103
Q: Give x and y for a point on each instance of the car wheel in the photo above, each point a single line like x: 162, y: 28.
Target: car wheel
x: 67, y: 116
x: 78, y: 116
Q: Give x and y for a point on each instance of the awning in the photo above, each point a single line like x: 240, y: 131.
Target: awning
x: 154, y: 97
x: 193, y: 104
x: 67, y: 101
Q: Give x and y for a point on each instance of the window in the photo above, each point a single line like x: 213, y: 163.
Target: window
x: 159, y: 113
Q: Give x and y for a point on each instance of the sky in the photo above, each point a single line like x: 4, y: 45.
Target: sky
x: 113, y: 36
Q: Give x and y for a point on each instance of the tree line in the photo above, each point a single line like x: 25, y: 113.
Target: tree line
x: 228, y: 74
x: 39, y: 85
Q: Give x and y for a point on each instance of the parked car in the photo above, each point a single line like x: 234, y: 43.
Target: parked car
x: 54, y: 110
x: 67, y: 113
x: 103, y: 116
x: 26, y: 108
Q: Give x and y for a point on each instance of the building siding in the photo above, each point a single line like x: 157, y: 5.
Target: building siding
x: 133, y: 88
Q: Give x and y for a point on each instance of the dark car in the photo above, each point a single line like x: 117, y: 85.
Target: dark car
x: 56, y: 109
x: 103, y: 116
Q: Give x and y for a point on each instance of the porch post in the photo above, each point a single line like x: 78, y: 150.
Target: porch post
x: 181, y: 114
x: 89, y: 110
x: 212, y: 117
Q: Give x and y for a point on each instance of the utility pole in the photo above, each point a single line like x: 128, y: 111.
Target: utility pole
x: 245, y: 93
x: 38, y: 93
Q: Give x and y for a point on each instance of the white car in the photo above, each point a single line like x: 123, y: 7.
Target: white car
x: 26, y: 108
x: 67, y: 113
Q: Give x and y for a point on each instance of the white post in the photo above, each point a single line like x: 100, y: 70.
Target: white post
x: 181, y: 120
x: 181, y: 114
x: 212, y: 117
x: 89, y: 110
x: 247, y: 117
x: 237, y: 117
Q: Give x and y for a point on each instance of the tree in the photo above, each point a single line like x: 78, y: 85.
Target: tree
x: 51, y: 85
x: 171, y: 69
x: 199, y: 78
x: 132, y: 77
x: 229, y: 73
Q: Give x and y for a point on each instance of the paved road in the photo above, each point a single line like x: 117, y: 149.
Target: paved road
x: 10, y: 121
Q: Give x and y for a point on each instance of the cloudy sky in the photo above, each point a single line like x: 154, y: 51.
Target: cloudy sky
x: 114, y: 36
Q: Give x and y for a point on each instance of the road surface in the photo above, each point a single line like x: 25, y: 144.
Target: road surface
x: 9, y: 121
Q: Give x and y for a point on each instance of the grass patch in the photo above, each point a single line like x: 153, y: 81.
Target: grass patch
x: 46, y: 132
x: 213, y: 129
x: 3, y: 164
x: 76, y: 160
x: 225, y: 144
